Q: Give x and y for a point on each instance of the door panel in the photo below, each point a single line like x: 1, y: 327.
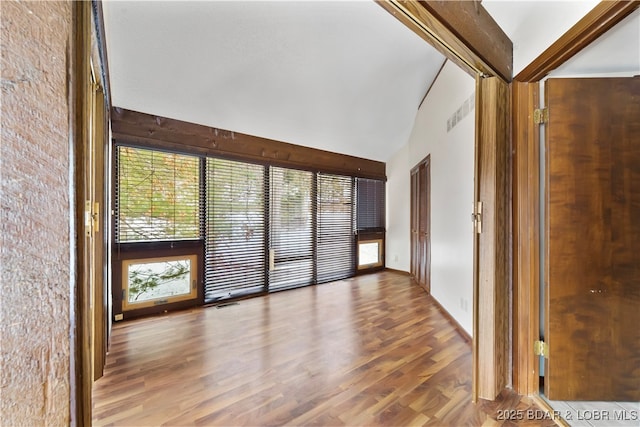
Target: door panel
x: 425, y: 225
x: 421, y: 224
x: 593, y: 239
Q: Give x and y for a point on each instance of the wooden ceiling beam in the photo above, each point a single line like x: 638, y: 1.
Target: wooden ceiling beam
x: 147, y: 130
x: 463, y: 31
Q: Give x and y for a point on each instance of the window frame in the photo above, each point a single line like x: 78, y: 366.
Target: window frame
x: 135, y: 251
x: 149, y: 249
x: 371, y: 237
x: 151, y: 302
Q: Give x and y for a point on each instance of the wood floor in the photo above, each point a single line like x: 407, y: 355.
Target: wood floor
x: 373, y: 350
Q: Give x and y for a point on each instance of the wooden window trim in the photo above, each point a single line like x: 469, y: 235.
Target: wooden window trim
x: 380, y: 262
x: 155, y: 250
x: 191, y: 295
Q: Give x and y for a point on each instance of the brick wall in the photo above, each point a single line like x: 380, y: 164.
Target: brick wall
x: 34, y: 214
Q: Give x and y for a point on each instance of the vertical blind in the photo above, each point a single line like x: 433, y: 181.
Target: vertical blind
x: 335, y: 238
x: 235, y: 242
x: 157, y: 195
x: 291, y: 223
x: 370, y: 199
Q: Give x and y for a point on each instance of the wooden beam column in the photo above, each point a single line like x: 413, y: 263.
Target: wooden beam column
x: 463, y: 31
x: 491, y: 290
x: 526, y: 236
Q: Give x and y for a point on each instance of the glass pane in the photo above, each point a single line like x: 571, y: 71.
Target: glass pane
x: 235, y: 229
x: 368, y: 253
x: 157, y: 280
x: 158, y: 195
x: 291, y: 226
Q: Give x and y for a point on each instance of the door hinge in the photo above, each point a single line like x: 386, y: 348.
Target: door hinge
x: 91, y: 217
x: 540, y: 115
x: 88, y: 218
x: 476, y: 217
x: 541, y: 348
x: 95, y: 215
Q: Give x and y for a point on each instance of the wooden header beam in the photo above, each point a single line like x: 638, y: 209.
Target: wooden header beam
x: 463, y: 31
x: 155, y: 131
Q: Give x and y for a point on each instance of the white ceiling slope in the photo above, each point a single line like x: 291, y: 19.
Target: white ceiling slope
x: 340, y: 76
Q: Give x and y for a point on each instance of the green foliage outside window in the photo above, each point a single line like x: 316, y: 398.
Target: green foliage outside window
x: 158, y: 195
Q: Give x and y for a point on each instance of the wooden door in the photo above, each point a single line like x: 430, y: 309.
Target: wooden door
x: 593, y: 239
x: 97, y: 244
x: 421, y: 224
x: 414, y: 223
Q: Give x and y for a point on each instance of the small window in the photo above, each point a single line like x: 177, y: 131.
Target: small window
x: 156, y: 281
x: 370, y: 253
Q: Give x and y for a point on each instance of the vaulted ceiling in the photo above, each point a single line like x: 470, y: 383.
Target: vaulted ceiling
x: 343, y: 76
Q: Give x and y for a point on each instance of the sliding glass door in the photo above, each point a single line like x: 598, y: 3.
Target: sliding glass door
x: 291, y: 239
x: 335, y: 232
x: 236, y: 251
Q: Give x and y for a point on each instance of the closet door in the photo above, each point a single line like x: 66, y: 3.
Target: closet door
x: 421, y: 224
x: 414, y: 223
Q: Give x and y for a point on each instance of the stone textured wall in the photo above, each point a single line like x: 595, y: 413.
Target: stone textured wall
x: 34, y: 214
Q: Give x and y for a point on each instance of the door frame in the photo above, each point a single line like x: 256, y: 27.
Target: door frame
x: 89, y: 97
x: 525, y: 184
x: 466, y: 34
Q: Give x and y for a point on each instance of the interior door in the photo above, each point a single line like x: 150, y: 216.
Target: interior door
x: 592, y: 261
x: 421, y: 224
x: 414, y: 224
x: 425, y: 225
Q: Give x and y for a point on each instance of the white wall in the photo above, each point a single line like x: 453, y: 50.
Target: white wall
x: 534, y: 25
x: 452, y: 156
x: 614, y: 54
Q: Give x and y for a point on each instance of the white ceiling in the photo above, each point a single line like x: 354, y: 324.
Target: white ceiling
x: 341, y: 76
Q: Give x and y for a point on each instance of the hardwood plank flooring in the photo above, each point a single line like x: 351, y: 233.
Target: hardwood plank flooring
x: 372, y: 350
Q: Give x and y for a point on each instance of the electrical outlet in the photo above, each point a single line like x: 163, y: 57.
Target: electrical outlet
x: 119, y: 317
x: 395, y: 258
